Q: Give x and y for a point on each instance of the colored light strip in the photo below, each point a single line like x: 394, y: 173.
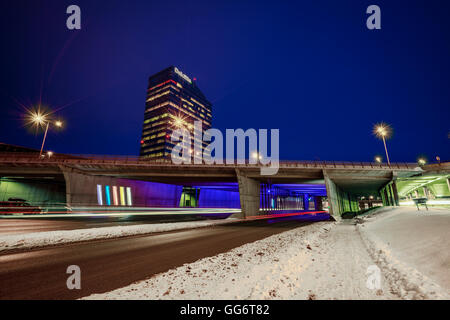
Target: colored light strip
x: 161, y: 84
x: 99, y: 195
x: 130, y: 203
x: 122, y: 196
x: 281, y: 215
x: 108, y: 196
x: 115, y: 198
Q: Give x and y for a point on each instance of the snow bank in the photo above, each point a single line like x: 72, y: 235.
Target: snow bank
x: 310, y: 262
x: 246, y: 272
x: 325, y: 260
x: 405, y: 279
x: 51, y: 238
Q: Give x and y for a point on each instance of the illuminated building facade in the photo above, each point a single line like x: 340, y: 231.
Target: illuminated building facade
x: 173, y: 101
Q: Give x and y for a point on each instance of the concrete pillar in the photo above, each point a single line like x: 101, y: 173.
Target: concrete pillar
x: 66, y: 174
x: 332, y: 194
x: 425, y: 193
x: 81, y: 189
x: 318, y: 203
x: 395, y: 192
x: 249, y: 191
x: 386, y: 196
x: 305, y: 202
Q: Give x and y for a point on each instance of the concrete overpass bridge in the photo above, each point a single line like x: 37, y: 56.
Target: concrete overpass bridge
x: 298, y: 184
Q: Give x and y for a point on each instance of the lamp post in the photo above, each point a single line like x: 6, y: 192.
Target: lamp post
x: 382, y: 131
x: 40, y: 119
x: 58, y: 124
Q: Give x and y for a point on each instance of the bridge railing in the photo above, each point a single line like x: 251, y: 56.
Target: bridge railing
x: 30, y: 157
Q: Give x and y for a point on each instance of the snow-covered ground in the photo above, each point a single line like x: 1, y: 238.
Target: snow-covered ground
x: 325, y: 260
x: 51, y: 238
x: 413, y: 243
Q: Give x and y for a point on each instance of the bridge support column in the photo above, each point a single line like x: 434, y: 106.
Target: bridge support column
x: 339, y: 200
x: 318, y: 203
x: 389, y: 194
x: 81, y: 188
x: 68, y: 180
x: 395, y: 192
x: 249, y: 192
x: 332, y: 194
x: 305, y: 202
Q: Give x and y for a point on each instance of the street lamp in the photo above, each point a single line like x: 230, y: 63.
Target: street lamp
x: 256, y: 155
x: 57, y: 123
x: 383, y: 131
x: 378, y: 159
x: 40, y: 119
x: 421, y: 161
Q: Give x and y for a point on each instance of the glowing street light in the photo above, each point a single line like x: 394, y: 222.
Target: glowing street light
x: 39, y: 118
x: 383, y: 131
x: 378, y: 159
x: 256, y: 155
x: 421, y: 161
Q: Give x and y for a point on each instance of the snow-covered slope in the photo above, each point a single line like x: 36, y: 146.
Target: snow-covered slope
x: 325, y: 260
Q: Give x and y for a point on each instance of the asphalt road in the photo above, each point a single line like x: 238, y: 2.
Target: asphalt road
x: 110, y: 264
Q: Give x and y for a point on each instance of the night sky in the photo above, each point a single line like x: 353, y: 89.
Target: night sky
x: 310, y: 68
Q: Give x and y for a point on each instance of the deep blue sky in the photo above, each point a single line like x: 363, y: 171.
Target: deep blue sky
x: 310, y: 68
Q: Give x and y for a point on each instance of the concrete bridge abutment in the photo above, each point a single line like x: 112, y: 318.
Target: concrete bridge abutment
x: 249, y: 195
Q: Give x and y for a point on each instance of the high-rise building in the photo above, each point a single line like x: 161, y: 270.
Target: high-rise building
x: 173, y: 101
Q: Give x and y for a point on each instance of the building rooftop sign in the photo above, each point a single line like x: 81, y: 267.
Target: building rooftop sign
x: 181, y: 74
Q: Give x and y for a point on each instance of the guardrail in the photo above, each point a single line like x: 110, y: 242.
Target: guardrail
x: 33, y: 158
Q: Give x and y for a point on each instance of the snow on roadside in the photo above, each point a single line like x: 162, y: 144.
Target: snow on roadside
x: 50, y: 238
x: 405, y: 280
x: 245, y: 272
x: 324, y: 260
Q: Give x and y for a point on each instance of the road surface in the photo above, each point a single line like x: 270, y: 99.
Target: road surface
x: 41, y: 223
x: 110, y: 264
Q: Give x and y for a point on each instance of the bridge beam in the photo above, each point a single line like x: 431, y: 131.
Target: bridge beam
x: 249, y: 193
